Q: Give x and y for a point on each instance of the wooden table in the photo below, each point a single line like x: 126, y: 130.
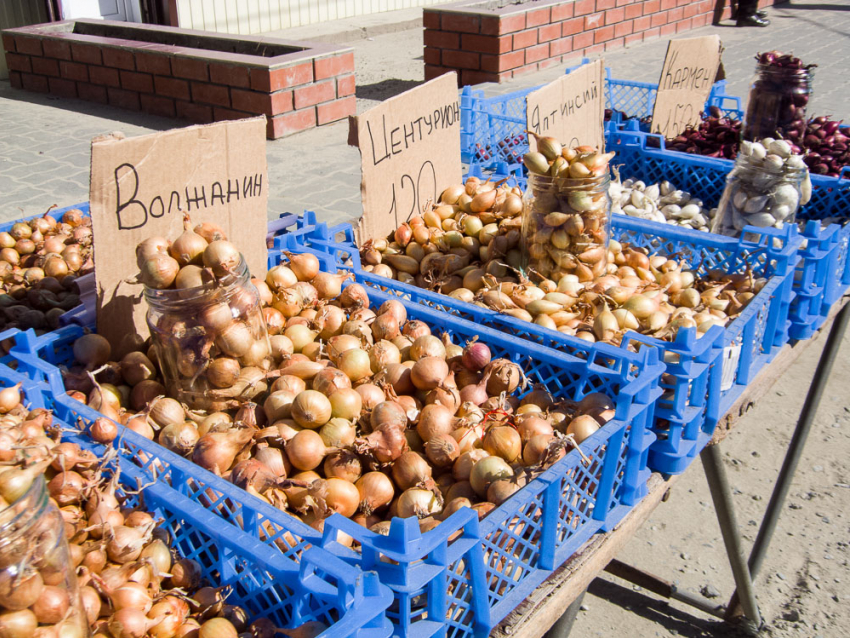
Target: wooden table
x: 545, y: 606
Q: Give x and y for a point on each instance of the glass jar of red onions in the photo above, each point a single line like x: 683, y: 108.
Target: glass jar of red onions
x: 39, y: 593
x: 209, y: 337
x: 566, y: 224
x: 779, y: 95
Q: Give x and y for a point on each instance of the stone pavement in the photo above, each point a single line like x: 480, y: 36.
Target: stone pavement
x: 44, y: 146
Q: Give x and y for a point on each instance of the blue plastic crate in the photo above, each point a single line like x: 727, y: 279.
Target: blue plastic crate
x: 823, y: 275
x: 319, y: 586
x: 461, y: 586
x: 493, y: 129
x: 694, y: 394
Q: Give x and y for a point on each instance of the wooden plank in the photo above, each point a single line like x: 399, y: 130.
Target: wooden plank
x: 537, y: 613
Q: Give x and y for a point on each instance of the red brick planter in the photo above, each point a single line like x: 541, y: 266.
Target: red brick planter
x: 493, y: 41
x: 193, y: 75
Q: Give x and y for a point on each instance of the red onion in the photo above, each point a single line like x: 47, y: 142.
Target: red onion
x: 475, y: 356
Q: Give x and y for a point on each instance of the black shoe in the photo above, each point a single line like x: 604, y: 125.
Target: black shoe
x: 752, y: 21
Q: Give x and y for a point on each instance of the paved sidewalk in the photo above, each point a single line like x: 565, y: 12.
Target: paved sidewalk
x: 44, y: 146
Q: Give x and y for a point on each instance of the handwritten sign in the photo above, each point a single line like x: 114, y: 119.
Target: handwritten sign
x: 139, y: 188
x: 571, y: 109
x: 410, y: 152
x: 689, y: 71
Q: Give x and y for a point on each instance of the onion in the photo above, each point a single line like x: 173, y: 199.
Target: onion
x: 418, y: 502
x: 311, y: 409
x: 582, y: 427
x: 165, y: 411
x: 428, y: 372
x: 395, y: 308
x: 158, y: 553
x: 376, y: 491
x: 475, y: 356
x: 289, y: 383
x: 385, y: 444
x: 222, y: 257
x: 385, y: 327
x: 462, y: 467
x: 20, y: 590
x: 442, y: 450
x: 91, y: 604
x: 434, y: 420
x: 388, y: 413
x: 92, y: 350
x: 532, y: 426
x: 343, y: 465
x: 410, y: 469
x: 476, y: 393
x: 252, y: 475
x: 595, y: 400
x: 355, y: 364
x: 329, y: 286
x: 398, y: 376
x: 180, y: 438
x: 186, y: 574
x: 503, y: 441
x: 216, y: 451
x: 329, y: 321
x: 343, y: 497
x: 189, y: 247
x: 461, y: 489
x: 354, y: 296
x: 130, y: 623
x: 210, y: 232
x: 500, y: 491
x: 159, y: 271
x: 66, y: 488
x: 306, y: 450
x: 17, y: 624
x: 280, y: 277
x: 488, y: 471
x: 382, y: 354
x: 275, y: 460
x: 299, y: 336
x: 346, y: 404
x: 371, y: 395
x: 427, y: 346
x: 131, y: 596
x: 504, y: 377
x: 305, y: 266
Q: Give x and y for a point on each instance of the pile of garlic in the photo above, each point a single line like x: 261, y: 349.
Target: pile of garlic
x: 659, y: 202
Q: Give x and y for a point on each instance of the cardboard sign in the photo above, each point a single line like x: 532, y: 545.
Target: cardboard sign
x: 139, y: 188
x: 571, y: 109
x: 690, y: 69
x: 409, y: 153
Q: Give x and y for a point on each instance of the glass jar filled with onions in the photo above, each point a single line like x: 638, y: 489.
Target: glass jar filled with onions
x: 779, y: 95
x: 206, y: 321
x: 566, y: 212
x: 39, y: 593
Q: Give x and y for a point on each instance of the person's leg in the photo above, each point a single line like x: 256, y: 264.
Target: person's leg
x: 749, y: 15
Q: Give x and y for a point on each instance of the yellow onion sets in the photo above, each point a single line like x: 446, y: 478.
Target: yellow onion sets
x: 40, y: 261
x: 567, y: 211
x: 364, y: 412
x: 652, y: 295
x: 472, y: 231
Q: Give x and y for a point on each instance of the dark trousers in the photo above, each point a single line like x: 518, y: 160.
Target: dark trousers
x: 747, y: 8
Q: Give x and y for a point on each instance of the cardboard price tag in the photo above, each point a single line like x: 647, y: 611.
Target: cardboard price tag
x: 571, y: 109
x: 409, y: 153
x: 141, y: 185
x: 690, y: 69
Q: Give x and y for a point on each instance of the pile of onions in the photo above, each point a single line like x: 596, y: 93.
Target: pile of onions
x: 826, y: 148
x: 472, y: 231
x: 130, y: 582
x: 650, y: 294
x: 716, y: 136
x: 365, y: 413
x: 40, y: 262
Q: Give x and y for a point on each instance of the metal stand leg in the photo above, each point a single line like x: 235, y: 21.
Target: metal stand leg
x: 715, y: 474
x: 795, y: 450
x: 564, y: 624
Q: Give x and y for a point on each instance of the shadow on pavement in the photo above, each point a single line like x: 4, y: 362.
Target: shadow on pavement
x: 92, y: 109
x: 385, y: 89
x: 814, y: 7
x: 676, y: 621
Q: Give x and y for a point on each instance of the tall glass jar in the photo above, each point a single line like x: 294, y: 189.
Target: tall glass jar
x: 777, y: 102
x: 758, y: 194
x: 35, y: 566
x: 206, y: 337
x: 565, y: 226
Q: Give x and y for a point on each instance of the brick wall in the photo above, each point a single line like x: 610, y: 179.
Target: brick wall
x: 308, y: 92
x: 494, y: 46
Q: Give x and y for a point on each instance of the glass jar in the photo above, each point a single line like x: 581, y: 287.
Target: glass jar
x: 34, y: 555
x: 205, y: 336
x: 758, y: 195
x: 565, y: 226
x: 777, y: 102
